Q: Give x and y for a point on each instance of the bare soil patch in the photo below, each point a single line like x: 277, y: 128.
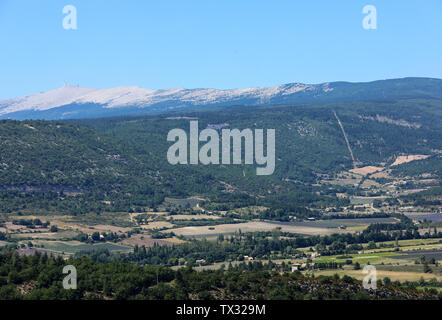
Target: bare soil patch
x: 366, y: 170
x: 408, y: 158
x: 252, y: 227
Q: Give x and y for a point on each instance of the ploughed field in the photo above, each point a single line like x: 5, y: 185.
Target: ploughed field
x: 417, y: 254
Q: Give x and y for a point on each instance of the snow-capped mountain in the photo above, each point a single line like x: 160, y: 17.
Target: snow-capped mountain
x: 44, y: 100
x: 140, y: 98
x: 76, y: 102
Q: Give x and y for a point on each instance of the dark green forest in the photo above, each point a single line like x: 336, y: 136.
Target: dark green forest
x: 118, y: 280
x: 119, y: 164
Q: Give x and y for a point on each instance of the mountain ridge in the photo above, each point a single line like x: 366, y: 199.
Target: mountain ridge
x: 78, y: 102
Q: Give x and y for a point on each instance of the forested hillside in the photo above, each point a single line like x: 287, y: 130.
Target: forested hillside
x: 119, y: 164
x: 38, y: 277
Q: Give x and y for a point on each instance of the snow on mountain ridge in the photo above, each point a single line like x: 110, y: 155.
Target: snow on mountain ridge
x: 119, y: 96
x: 141, y: 97
x: 44, y: 100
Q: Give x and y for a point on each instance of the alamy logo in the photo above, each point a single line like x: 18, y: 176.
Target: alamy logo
x: 70, y: 281
x: 370, y: 20
x: 70, y: 20
x: 369, y: 281
x: 210, y: 151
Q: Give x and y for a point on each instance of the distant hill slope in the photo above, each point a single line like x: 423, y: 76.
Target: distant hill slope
x: 74, y: 102
x: 120, y: 164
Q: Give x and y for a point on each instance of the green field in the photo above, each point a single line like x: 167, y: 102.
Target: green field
x: 75, y: 246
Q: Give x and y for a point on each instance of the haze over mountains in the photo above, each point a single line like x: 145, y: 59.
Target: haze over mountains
x: 71, y: 102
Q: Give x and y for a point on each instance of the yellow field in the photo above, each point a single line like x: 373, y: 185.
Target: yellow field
x: 393, y: 275
x: 157, y: 225
x: 366, y: 170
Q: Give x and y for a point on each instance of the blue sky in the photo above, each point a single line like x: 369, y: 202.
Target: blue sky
x: 217, y: 44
